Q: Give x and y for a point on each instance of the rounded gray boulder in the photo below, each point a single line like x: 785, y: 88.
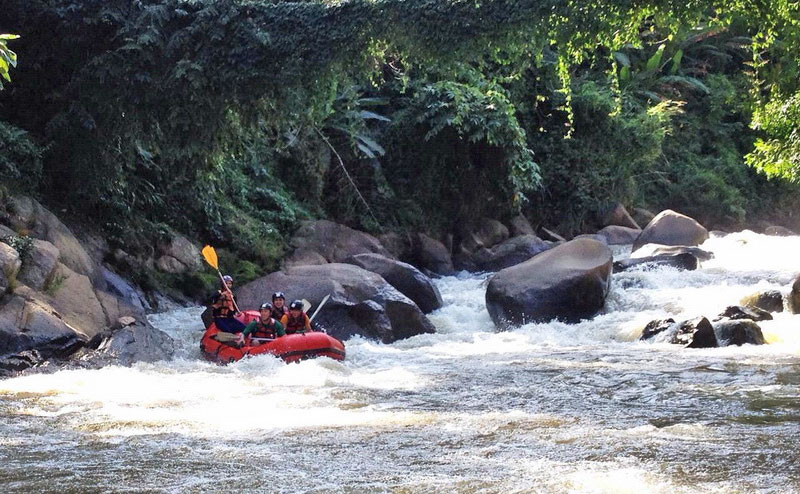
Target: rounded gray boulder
x: 671, y: 228
x: 569, y: 283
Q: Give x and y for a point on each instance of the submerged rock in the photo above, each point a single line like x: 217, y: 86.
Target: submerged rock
x: 406, y: 278
x: 135, y: 341
x: 687, y: 262
x: 361, y: 302
x: 650, y: 250
x: 569, y: 282
x: 692, y: 333
x: 769, y: 300
x: 738, y: 332
x: 656, y: 327
x: 736, y: 312
x: 794, y: 297
x: 672, y: 228
x: 695, y: 333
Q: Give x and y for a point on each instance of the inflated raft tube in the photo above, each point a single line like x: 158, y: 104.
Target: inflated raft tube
x: 290, y: 348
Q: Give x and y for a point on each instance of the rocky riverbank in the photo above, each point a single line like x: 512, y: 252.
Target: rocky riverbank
x: 63, y: 301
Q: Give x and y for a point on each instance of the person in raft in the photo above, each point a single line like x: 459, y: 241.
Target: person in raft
x: 279, y: 308
x: 296, y: 320
x: 223, y: 308
x: 265, y: 327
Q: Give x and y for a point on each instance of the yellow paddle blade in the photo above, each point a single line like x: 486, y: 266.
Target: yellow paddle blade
x: 210, y: 255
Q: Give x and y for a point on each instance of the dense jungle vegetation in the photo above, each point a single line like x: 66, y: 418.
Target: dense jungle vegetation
x: 231, y: 120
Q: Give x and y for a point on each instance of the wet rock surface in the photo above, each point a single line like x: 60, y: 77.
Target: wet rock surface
x: 406, y: 278
x: 672, y: 228
x: 569, y: 283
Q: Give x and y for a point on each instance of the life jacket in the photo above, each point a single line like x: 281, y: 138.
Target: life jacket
x: 265, y: 330
x: 295, y: 324
x: 224, y: 305
x: 277, y: 313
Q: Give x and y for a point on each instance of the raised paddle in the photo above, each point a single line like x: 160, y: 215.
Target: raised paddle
x: 319, y: 307
x: 210, y: 255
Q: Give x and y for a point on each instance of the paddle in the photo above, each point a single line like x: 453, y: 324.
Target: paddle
x: 319, y: 307
x: 210, y: 255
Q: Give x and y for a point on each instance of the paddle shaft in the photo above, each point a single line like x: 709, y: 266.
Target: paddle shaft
x: 320, y: 307
x: 228, y: 290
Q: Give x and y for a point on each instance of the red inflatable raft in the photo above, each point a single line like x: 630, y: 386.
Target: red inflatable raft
x: 291, y: 348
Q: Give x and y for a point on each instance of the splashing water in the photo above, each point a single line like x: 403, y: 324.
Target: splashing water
x: 544, y: 408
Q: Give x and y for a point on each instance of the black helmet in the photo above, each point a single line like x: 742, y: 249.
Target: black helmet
x: 278, y: 295
x: 266, y: 305
x: 296, y: 304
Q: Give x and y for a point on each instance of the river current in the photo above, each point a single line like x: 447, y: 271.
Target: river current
x: 545, y: 408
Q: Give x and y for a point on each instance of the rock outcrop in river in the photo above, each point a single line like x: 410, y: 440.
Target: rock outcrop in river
x: 671, y: 228
x: 569, y: 282
x: 55, y: 297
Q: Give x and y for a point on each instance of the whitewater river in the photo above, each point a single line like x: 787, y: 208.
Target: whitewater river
x: 548, y: 408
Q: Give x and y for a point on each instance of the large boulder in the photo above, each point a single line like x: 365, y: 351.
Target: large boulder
x: 683, y: 262
x: 72, y: 296
x: 135, y: 341
x: 29, y: 324
x: 619, y: 235
x: 331, y: 241
x: 39, y: 269
x: 119, y: 287
x: 399, y: 246
x: 521, y: 226
x: 9, y: 265
x: 652, y: 250
x: 617, y: 215
x: 794, y: 297
x: 509, y: 253
x: 491, y: 232
x: 671, y: 228
x: 431, y: 255
x: 44, y: 225
x: 406, y: 278
x: 768, y: 300
x: 569, y: 282
x: 361, y: 302
x: 738, y: 332
x: 184, y: 251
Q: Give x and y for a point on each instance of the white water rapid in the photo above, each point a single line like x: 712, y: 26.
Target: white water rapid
x: 546, y: 408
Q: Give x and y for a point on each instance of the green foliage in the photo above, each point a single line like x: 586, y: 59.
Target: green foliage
x: 214, y: 117
x: 20, y: 157
x: 8, y: 59
x: 777, y: 154
x: 22, y: 244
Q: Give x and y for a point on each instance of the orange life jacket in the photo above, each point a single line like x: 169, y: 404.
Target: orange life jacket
x: 295, y: 324
x: 224, y: 306
x: 265, y: 330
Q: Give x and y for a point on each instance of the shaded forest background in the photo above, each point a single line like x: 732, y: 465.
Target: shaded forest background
x: 231, y: 121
